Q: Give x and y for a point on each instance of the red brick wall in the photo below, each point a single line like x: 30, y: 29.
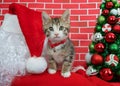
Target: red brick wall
x: 83, y: 18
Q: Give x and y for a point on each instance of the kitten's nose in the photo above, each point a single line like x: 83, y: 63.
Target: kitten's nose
x: 56, y: 34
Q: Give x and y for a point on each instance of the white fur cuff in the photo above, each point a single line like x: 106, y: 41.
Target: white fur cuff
x: 36, y: 65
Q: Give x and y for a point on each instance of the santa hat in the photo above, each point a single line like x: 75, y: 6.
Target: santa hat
x: 31, y: 26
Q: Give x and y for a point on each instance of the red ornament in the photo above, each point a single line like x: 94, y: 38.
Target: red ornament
x: 106, y: 74
x: 105, y: 12
x: 112, y: 60
x: 112, y: 19
x: 116, y: 28
x: 109, y: 5
x: 118, y: 20
x: 96, y: 59
x: 99, y: 47
x: 110, y: 37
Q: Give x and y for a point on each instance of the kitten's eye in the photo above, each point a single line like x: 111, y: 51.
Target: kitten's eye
x: 61, y: 28
x: 51, y: 28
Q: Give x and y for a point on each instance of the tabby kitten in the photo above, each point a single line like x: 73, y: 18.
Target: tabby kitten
x: 60, y: 49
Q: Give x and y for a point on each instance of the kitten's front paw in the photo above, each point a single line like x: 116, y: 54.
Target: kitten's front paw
x: 51, y: 71
x: 66, y: 74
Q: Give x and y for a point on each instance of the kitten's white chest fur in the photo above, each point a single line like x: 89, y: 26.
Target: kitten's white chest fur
x: 58, y: 54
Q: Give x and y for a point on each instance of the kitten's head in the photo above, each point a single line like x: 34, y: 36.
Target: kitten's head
x: 56, y: 29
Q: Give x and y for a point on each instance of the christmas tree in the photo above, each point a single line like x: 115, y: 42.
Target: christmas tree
x: 104, y: 51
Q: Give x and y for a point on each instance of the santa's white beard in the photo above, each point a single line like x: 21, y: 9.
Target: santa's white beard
x: 13, y: 55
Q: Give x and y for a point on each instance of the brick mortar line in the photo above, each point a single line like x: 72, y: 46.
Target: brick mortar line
x: 69, y: 35
x: 74, y: 40
x: 26, y: 4
x: 77, y: 21
x: 79, y: 15
x: 91, y: 26
x: 79, y: 60
x: 87, y: 1
x: 79, y: 33
x: 88, y: 24
x: 81, y: 46
x: 73, y: 3
x: 87, y: 11
x: 81, y: 26
x: 57, y: 8
x: 52, y: 12
x: 84, y: 41
x: 78, y: 18
x: 96, y: 6
x: 53, y: 1
x: 35, y: 2
x: 80, y: 53
x: 81, y: 40
x: 2, y: 1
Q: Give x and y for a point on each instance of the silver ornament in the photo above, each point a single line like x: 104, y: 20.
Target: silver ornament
x: 88, y: 57
x: 97, y: 37
x: 118, y: 11
x: 114, y: 12
x: 91, y: 71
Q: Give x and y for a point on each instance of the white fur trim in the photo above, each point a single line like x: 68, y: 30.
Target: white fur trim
x: 36, y: 65
x: 75, y: 69
x: 11, y: 24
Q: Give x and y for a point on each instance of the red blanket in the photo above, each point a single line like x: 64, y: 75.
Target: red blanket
x: 45, y: 79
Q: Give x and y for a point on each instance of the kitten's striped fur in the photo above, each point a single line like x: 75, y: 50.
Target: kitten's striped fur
x: 57, y: 29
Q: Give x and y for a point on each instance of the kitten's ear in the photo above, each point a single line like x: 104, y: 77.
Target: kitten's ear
x: 45, y: 17
x: 66, y: 16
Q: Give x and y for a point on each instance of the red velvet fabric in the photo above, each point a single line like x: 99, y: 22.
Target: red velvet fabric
x: 31, y: 25
x: 45, y: 79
